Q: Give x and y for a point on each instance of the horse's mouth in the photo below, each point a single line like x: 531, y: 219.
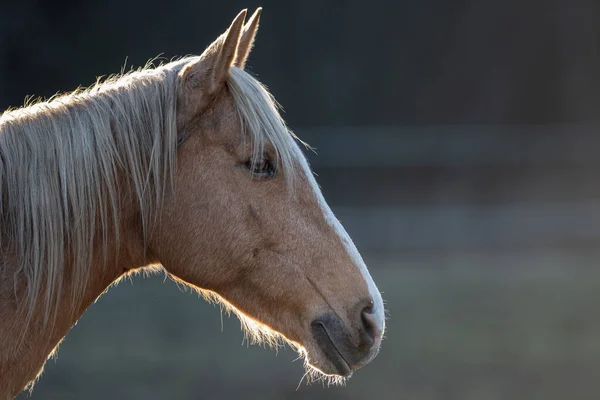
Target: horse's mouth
x: 330, y: 351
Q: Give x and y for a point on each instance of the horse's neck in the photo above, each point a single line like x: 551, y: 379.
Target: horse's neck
x: 25, y: 346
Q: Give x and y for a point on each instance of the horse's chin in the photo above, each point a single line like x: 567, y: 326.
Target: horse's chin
x: 320, y: 368
x: 327, y: 359
x: 332, y: 368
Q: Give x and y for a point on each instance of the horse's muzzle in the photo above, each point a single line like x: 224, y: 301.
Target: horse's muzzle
x: 346, y: 348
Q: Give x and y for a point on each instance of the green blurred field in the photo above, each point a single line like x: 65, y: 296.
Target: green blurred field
x: 468, y: 326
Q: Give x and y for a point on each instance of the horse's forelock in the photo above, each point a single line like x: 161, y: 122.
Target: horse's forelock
x: 262, y: 121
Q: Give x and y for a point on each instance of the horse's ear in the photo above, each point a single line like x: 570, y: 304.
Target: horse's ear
x: 204, y: 77
x: 247, y: 39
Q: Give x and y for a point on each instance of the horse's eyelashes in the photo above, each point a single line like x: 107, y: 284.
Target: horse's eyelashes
x: 261, y: 167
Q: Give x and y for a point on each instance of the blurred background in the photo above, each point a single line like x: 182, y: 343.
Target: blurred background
x: 458, y: 143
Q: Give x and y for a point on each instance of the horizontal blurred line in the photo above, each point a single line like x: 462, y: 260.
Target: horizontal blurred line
x: 454, y: 145
x: 396, y: 186
x: 456, y: 227
x: 535, y: 263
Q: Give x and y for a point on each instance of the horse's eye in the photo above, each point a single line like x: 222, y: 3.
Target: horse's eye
x: 261, y: 167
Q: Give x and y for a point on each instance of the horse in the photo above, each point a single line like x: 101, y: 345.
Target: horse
x: 186, y: 167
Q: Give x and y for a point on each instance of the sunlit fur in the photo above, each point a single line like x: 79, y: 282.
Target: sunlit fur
x: 88, y: 186
x: 257, y: 333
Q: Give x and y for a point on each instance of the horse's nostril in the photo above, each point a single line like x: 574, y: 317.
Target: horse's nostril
x: 369, y: 324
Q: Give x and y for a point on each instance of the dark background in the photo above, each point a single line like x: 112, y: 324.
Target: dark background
x: 458, y: 144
